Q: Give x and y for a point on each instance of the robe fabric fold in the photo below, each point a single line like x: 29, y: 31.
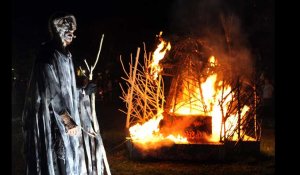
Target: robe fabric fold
x: 51, y: 91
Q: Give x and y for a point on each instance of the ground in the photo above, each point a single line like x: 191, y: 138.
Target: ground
x: 112, y: 124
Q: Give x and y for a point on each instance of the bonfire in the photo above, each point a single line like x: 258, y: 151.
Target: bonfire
x: 205, y: 104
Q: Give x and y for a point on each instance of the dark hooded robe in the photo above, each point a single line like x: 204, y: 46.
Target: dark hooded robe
x: 51, y: 94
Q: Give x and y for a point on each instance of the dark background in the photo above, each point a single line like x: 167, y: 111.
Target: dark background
x: 127, y: 24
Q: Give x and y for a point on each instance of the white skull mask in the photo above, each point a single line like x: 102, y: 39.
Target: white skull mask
x: 65, y: 28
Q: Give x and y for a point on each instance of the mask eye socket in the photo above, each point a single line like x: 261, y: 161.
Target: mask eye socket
x: 68, y: 23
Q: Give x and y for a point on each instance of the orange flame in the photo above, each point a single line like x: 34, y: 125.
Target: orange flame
x: 148, y: 133
x: 206, y: 103
x: 158, y: 55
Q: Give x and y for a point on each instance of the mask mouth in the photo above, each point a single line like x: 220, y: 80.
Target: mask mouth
x: 69, y: 35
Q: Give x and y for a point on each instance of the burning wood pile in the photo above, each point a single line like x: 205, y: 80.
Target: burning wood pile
x: 205, y: 105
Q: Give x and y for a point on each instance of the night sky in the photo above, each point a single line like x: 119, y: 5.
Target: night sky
x: 127, y: 24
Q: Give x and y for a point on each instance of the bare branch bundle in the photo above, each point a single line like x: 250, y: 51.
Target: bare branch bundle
x: 144, y: 97
x: 94, y: 116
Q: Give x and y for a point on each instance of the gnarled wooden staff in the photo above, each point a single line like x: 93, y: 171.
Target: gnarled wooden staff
x: 93, y: 109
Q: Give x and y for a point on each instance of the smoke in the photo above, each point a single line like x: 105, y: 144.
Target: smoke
x: 218, y: 24
x: 191, y: 16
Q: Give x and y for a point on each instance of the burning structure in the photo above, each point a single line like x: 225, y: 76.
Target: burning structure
x: 208, y: 110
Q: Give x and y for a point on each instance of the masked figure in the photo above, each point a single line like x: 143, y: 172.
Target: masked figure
x: 56, y: 116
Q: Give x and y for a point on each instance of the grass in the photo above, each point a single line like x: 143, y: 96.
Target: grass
x: 112, y: 123
x: 120, y: 164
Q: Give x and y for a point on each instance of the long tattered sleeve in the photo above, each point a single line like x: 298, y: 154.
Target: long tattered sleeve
x: 52, y: 107
x: 51, y: 84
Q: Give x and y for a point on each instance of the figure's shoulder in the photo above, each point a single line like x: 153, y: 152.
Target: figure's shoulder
x: 47, y: 47
x: 45, y: 53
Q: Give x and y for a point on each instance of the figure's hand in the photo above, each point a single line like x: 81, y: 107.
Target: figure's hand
x: 73, y: 131
x: 90, y: 88
x: 70, y: 126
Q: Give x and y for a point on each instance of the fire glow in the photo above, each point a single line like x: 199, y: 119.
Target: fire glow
x: 200, y: 100
x: 149, y: 132
x: 158, y: 55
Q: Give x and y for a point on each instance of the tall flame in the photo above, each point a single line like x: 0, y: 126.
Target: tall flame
x: 203, y: 99
x: 158, y: 55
